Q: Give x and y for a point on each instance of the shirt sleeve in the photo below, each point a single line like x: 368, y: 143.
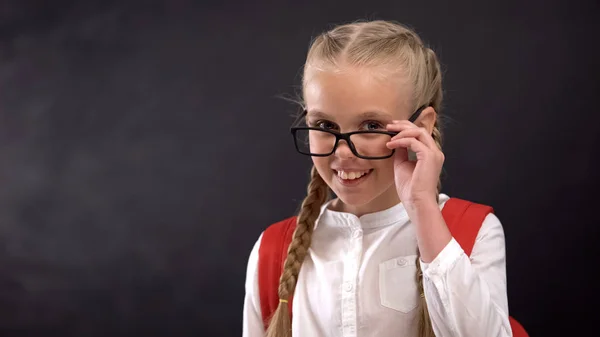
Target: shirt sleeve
x: 467, y: 296
x: 252, y: 318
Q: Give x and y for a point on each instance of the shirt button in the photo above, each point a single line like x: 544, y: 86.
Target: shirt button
x: 348, y: 287
x: 401, y: 262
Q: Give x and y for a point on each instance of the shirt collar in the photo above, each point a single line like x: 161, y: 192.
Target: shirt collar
x: 394, y: 215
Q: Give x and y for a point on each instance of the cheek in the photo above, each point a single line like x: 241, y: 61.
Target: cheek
x: 385, y: 169
x: 323, y: 167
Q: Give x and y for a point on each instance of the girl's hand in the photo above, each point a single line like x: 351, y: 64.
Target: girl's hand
x: 416, y: 182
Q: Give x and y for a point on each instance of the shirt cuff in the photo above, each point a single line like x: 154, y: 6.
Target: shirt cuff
x: 443, y: 261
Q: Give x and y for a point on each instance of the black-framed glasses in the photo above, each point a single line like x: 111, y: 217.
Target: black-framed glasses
x: 320, y: 142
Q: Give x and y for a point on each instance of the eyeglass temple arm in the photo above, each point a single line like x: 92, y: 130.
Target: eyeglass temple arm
x: 417, y: 113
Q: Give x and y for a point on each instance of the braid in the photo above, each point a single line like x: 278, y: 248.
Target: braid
x: 436, y: 134
x: 425, y: 328
x: 434, y: 83
x: 318, y: 192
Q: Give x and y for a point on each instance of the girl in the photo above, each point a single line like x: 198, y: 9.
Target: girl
x: 379, y: 259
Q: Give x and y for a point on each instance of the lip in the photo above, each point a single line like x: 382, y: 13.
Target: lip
x: 347, y: 169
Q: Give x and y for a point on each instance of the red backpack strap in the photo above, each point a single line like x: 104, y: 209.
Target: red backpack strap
x: 271, y: 257
x: 464, y: 219
x: 517, y: 329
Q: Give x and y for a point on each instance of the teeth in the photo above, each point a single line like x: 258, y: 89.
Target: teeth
x: 351, y: 175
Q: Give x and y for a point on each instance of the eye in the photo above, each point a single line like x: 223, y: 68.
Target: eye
x: 373, y: 125
x: 323, y: 124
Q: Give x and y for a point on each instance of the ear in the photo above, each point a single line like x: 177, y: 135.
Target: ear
x: 427, y: 119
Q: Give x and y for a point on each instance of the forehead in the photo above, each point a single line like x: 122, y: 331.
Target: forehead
x: 352, y: 92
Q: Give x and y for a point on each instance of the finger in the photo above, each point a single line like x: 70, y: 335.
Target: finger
x: 421, y: 134
x: 401, y: 154
x: 400, y: 125
x: 410, y: 143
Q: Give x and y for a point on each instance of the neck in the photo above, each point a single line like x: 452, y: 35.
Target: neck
x: 386, y: 200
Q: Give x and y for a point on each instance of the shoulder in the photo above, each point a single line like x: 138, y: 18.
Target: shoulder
x: 483, y: 213
x: 269, y: 245
x: 475, y: 220
x: 459, y: 213
x: 489, y: 236
x: 271, y: 237
x: 491, y: 228
x: 452, y: 202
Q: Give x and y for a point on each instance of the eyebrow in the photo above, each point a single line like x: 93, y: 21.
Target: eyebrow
x: 364, y: 115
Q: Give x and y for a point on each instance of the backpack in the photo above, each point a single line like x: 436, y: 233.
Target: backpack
x: 463, y: 218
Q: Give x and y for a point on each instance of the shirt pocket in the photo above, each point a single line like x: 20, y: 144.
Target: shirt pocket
x: 398, y: 283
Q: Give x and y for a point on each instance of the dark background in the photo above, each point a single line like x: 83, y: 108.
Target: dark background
x: 144, y: 146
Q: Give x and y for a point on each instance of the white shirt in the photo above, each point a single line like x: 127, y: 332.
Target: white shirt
x: 359, y: 279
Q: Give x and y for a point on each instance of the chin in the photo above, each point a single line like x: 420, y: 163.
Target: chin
x: 355, y: 200
x: 358, y: 196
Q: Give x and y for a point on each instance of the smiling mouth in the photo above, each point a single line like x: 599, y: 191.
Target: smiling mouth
x: 352, y: 177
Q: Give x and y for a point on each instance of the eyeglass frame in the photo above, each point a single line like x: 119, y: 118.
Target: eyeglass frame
x: 346, y: 136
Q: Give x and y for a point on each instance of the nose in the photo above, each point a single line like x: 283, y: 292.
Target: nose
x: 343, y: 150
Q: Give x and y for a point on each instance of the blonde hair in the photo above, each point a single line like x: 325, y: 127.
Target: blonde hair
x: 399, y: 51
